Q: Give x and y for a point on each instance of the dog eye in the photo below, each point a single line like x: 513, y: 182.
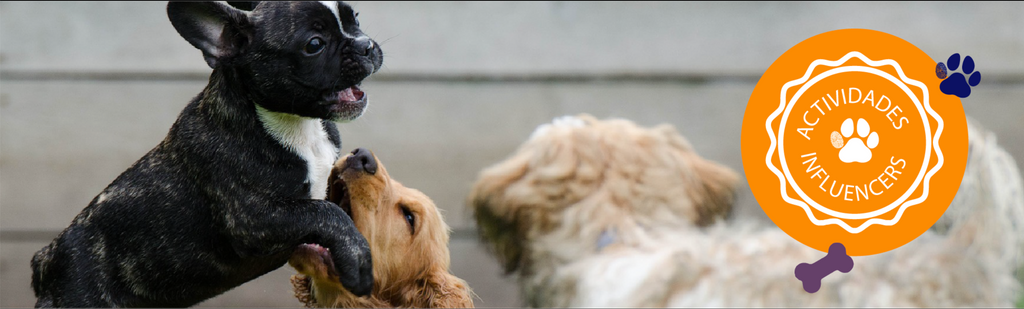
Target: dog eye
x: 410, y: 219
x: 314, y: 46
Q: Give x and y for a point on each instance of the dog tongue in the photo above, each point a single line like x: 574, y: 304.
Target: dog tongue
x: 347, y: 95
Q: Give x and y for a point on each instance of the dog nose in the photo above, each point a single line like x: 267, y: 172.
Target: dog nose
x: 364, y: 44
x: 362, y: 159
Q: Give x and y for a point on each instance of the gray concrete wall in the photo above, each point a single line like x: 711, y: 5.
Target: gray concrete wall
x: 86, y: 88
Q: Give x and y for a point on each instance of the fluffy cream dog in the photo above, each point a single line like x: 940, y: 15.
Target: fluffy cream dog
x: 606, y: 213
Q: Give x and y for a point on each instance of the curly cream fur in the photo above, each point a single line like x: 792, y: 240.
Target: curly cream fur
x: 594, y: 212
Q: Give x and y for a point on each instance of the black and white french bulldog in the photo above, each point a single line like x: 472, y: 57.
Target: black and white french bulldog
x: 239, y: 182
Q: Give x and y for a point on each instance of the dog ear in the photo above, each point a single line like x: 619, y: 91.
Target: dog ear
x: 716, y: 191
x: 501, y: 234
x: 218, y: 30
x: 496, y: 216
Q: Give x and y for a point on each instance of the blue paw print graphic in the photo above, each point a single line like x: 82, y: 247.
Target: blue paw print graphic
x: 957, y: 84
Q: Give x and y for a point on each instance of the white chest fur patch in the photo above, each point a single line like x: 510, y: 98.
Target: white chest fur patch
x: 305, y: 137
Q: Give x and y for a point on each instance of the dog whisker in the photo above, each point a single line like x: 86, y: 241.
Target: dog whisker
x: 388, y: 39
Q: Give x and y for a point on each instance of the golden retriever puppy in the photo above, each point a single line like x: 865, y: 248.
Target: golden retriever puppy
x: 408, y: 241
x: 597, y: 213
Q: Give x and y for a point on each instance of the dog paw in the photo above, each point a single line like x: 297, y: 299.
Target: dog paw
x: 855, y: 149
x: 957, y: 84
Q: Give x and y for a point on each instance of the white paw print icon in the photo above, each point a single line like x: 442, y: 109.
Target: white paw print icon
x: 855, y: 150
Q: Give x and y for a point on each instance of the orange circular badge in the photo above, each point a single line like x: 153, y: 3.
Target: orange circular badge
x: 847, y: 139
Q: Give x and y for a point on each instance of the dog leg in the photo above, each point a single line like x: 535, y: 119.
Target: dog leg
x: 268, y: 228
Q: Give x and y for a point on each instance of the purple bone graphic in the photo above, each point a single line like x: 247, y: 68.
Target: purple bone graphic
x: 811, y: 274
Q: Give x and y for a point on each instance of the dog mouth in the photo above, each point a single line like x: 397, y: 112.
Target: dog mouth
x: 348, y: 102
x: 348, y: 95
x: 316, y: 254
x: 302, y: 285
x: 342, y: 197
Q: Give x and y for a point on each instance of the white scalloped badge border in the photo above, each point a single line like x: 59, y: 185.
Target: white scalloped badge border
x: 782, y: 178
